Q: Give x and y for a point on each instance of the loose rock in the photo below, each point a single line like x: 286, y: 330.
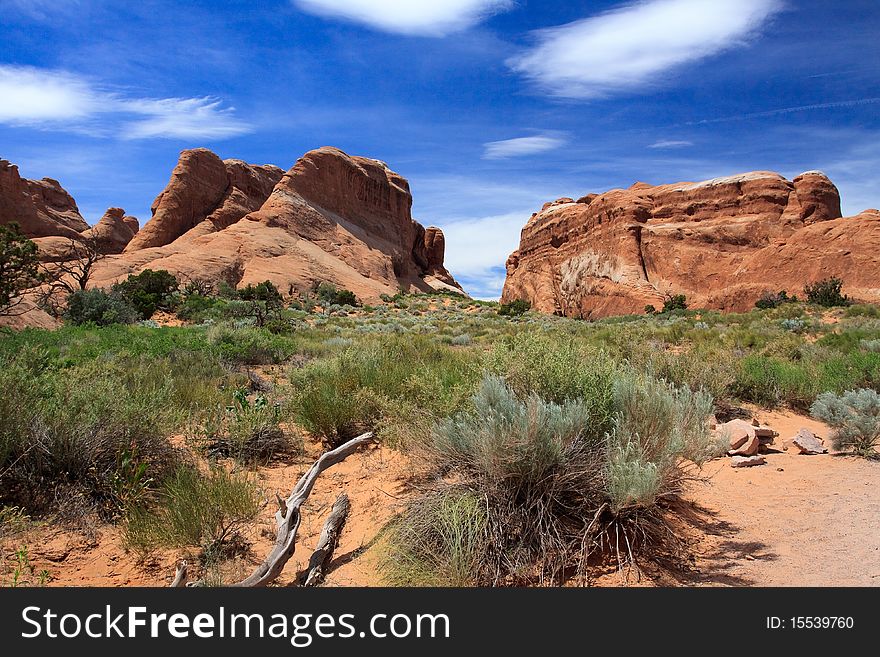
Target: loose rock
x: 808, y: 443
x: 747, y: 461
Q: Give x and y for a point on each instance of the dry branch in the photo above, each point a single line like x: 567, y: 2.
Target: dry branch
x: 327, y: 542
x: 288, y: 517
x: 179, y: 576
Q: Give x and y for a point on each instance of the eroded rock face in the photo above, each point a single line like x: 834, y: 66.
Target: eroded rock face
x: 42, y: 208
x: 113, y: 232
x: 721, y: 242
x: 331, y: 217
x: 205, y: 193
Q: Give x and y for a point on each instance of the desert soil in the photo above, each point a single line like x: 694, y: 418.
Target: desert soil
x: 796, y: 521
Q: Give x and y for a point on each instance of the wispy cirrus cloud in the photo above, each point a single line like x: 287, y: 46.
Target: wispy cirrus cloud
x: 633, y: 47
x: 60, y: 100
x: 789, y: 110
x: 422, y: 18
x: 41, y: 9
x: 665, y: 144
x: 521, y: 146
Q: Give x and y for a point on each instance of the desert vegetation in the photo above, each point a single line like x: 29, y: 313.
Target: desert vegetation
x: 542, y: 444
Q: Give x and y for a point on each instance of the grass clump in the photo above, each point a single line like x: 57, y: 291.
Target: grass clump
x: 855, y: 418
x: 382, y: 383
x: 84, y: 439
x: 207, y: 510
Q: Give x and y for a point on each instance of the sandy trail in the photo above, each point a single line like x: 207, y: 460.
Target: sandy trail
x: 796, y: 521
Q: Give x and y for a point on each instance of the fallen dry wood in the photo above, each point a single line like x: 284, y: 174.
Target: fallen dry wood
x: 288, y: 517
x: 327, y: 542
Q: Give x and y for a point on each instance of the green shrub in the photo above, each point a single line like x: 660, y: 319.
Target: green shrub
x: 99, y: 308
x: 248, y: 431
x: 19, y: 265
x: 83, y: 439
x: 197, y: 308
x: 558, y: 370
x: 862, y: 310
x: 673, y: 302
x: 774, y: 300
x: 194, y: 509
x: 515, y: 308
x: 390, y: 379
x: 770, y: 381
x: 329, y: 295
x: 249, y: 345
x: 855, y: 418
x: 656, y: 424
x: 265, y: 291
x: 148, y: 291
x: 650, y: 309
x: 827, y: 292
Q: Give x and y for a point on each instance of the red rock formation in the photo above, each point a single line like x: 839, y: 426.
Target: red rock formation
x: 113, y: 232
x: 331, y: 217
x: 205, y: 192
x: 41, y: 208
x: 721, y: 242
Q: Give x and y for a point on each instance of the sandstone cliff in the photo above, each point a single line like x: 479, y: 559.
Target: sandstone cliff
x: 721, y: 242
x: 42, y: 208
x: 331, y: 217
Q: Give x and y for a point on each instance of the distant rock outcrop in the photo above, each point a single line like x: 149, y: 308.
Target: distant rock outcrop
x: 207, y: 193
x: 331, y: 217
x: 113, y: 232
x: 41, y: 208
x: 721, y: 242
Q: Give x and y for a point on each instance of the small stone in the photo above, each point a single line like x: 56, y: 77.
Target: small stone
x: 749, y: 448
x: 808, y: 443
x: 742, y: 436
x: 747, y: 461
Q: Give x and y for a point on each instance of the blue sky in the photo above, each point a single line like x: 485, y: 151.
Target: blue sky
x: 488, y: 107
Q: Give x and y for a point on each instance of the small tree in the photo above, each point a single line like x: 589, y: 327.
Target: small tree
x: 674, y: 302
x: 827, y: 292
x: 70, y: 274
x: 148, y: 291
x: 19, y: 267
x: 650, y: 309
x: 329, y: 295
x: 515, y: 308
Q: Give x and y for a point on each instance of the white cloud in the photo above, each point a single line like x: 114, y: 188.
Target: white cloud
x: 671, y: 143
x: 415, y: 17
x: 182, y: 117
x: 477, y: 248
x: 32, y: 95
x: 60, y: 100
x: 631, y: 47
x: 498, y: 150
